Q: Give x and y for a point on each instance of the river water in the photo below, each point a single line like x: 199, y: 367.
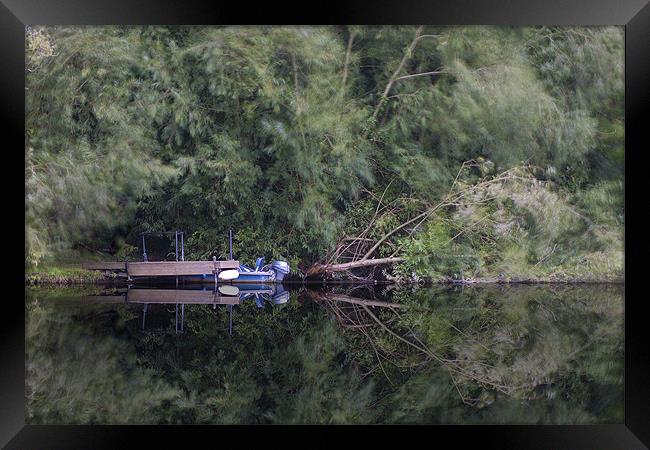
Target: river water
x: 344, y: 354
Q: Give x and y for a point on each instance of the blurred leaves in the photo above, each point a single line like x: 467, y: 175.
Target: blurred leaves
x: 132, y: 129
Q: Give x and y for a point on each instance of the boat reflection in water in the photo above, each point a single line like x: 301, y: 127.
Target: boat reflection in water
x: 225, y: 294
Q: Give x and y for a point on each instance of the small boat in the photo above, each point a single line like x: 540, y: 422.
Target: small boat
x: 271, y: 273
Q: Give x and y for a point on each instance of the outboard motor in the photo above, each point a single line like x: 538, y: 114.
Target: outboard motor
x: 259, y: 264
x: 281, y: 268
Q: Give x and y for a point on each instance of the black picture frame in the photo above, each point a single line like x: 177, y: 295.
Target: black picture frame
x: 633, y: 14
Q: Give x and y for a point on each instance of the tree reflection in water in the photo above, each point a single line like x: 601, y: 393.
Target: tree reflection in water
x: 495, y: 354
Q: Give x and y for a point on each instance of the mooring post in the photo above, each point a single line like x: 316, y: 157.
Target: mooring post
x: 230, y: 244
x: 176, y: 243
x: 230, y: 321
x: 182, y: 246
x: 215, y: 271
x: 144, y: 249
x: 144, y: 315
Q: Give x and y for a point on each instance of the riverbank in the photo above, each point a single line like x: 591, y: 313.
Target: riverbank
x: 66, y: 276
x: 555, y: 279
x: 71, y: 276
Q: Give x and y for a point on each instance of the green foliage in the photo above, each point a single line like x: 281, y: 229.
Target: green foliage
x: 584, y: 70
x: 503, y: 113
x: 127, y: 252
x: 604, y: 203
x: 282, y: 133
x: 87, y: 155
x: 523, y: 229
x: 432, y: 254
x: 38, y: 47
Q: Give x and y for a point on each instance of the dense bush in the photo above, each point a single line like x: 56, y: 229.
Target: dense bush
x: 283, y: 132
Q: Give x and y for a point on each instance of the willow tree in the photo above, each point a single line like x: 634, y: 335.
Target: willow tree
x: 254, y: 121
x: 87, y: 143
x: 284, y: 132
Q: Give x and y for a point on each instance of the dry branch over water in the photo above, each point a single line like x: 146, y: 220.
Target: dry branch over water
x: 489, y: 211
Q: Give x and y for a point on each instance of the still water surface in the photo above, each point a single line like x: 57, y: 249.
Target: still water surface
x: 352, y: 354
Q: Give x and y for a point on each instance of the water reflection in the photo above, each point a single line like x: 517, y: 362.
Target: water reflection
x: 348, y: 354
x: 224, y: 294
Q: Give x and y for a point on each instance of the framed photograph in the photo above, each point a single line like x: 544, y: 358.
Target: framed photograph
x: 398, y: 214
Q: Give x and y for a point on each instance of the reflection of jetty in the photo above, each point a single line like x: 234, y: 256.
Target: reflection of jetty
x: 179, y: 296
x: 163, y: 296
x: 228, y: 295
x: 224, y: 295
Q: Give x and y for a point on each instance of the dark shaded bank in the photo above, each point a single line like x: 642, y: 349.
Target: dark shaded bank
x: 65, y: 274
x: 74, y: 276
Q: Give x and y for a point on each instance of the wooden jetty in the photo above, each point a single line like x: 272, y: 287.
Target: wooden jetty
x: 164, y: 268
x: 178, y: 268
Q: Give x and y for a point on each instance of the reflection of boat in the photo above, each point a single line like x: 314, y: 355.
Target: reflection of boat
x: 228, y: 289
x: 274, y: 293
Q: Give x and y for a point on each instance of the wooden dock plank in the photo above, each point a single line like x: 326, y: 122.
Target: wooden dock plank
x: 177, y: 268
x: 163, y: 268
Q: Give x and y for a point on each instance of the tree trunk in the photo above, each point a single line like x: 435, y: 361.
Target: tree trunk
x: 320, y: 268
